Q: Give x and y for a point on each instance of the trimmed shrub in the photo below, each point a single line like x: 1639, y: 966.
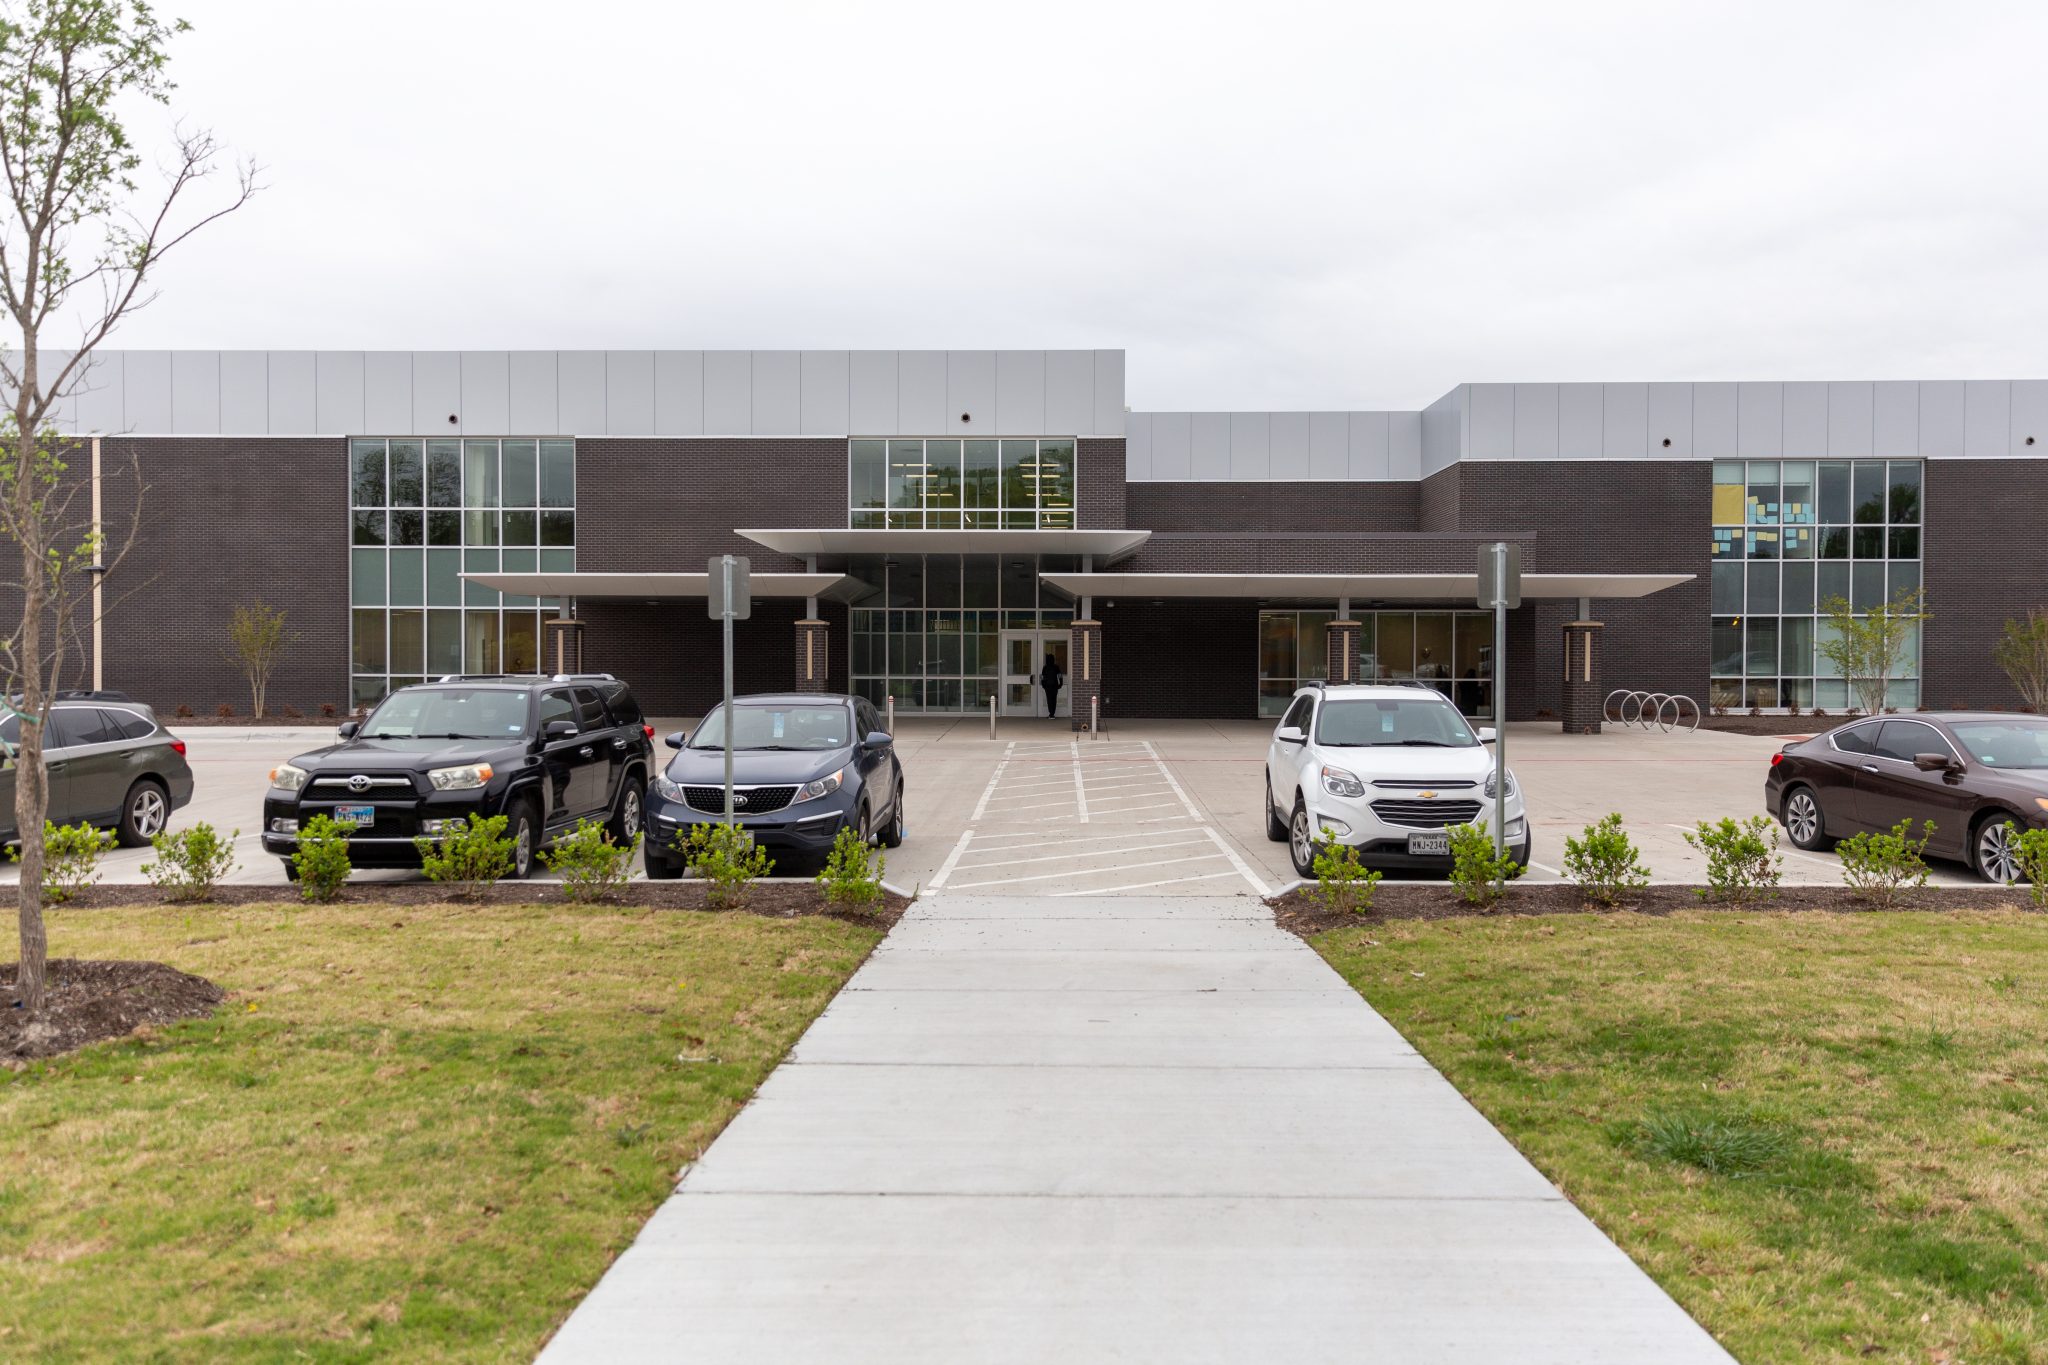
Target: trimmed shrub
x: 2031, y: 847
x: 1605, y: 863
x: 1342, y: 883
x: 322, y: 860
x: 853, y: 871
x: 1480, y: 875
x: 727, y: 857
x: 592, y: 867
x: 471, y: 858
x: 1743, y: 862
x: 192, y: 862
x: 71, y: 858
x: 1880, y: 866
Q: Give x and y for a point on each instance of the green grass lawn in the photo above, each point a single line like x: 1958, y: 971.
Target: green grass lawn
x: 1825, y: 1135
x: 415, y: 1133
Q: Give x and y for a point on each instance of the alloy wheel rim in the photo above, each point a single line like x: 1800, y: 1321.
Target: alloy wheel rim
x: 522, y: 850
x: 1804, y: 820
x: 1298, y: 830
x: 149, y: 813
x: 1995, y: 855
x: 631, y: 816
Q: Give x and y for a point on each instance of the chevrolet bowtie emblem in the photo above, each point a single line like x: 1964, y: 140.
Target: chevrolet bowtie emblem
x: 1429, y: 796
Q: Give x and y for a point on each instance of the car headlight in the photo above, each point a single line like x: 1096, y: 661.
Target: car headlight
x: 468, y: 777
x: 286, y: 778
x: 1491, y: 778
x: 824, y: 786
x: 1338, y: 782
x: 667, y: 790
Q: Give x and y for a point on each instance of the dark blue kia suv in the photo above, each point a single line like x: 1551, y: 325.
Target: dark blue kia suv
x: 805, y: 765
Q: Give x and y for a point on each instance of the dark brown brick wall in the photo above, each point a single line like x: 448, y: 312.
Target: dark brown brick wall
x: 671, y: 504
x: 1290, y: 552
x: 1252, y: 508
x: 228, y: 521
x: 1191, y: 659
x: 1099, y: 503
x: 673, y: 654
x: 1437, y: 501
x: 1985, y: 561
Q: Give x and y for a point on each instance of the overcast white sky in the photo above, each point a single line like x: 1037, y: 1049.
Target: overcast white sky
x: 1268, y: 205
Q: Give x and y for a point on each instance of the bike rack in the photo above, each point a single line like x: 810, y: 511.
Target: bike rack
x: 1663, y: 711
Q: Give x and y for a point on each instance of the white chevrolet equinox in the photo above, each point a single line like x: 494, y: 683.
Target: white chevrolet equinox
x: 1386, y: 769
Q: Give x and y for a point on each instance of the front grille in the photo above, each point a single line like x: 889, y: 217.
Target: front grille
x: 1402, y: 784
x: 745, y: 800
x: 375, y: 783
x: 1425, y: 814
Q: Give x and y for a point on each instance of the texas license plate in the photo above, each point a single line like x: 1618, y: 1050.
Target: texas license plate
x: 356, y: 815
x: 1434, y: 844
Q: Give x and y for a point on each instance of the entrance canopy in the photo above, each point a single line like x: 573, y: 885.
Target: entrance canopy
x: 1106, y: 546
x: 1365, y: 587
x: 651, y: 587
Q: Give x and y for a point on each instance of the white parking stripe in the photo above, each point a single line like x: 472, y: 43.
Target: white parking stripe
x: 1086, y: 872
x: 1243, y: 869
x: 1080, y: 792
x: 993, y: 778
x: 946, y: 869
x: 984, y: 845
x: 1162, y: 805
x: 1193, y: 814
x: 1141, y: 886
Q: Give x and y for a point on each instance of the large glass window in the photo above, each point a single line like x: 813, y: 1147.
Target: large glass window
x: 927, y: 629
x: 945, y: 485
x: 1789, y: 536
x: 1452, y: 651
x: 423, y: 512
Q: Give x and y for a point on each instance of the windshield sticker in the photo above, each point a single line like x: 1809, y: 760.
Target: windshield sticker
x: 778, y: 724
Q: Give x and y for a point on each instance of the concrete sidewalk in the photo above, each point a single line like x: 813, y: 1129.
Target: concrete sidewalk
x: 1121, y: 1129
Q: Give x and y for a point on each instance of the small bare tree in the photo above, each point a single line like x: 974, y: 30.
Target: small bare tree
x: 1866, y: 649
x: 2023, y: 653
x: 80, y: 245
x: 256, y: 641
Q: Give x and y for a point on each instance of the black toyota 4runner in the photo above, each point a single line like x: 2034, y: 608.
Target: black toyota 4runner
x: 544, y: 752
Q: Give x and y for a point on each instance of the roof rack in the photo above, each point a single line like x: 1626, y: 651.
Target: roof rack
x: 584, y: 677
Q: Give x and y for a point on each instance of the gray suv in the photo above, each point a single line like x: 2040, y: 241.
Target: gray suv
x: 111, y: 765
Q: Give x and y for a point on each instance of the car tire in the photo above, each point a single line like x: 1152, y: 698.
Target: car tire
x: 1276, y: 828
x: 1992, y: 855
x: 145, y: 810
x: 525, y: 836
x: 1301, y: 846
x: 291, y: 870
x: 661, y: 869
x: 629, y: 812
x: 892, y: 832
x: 1805, y: 824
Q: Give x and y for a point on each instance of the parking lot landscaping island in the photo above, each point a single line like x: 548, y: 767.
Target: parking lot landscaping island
x: 413, y: 1132
x: 1823, y: 1134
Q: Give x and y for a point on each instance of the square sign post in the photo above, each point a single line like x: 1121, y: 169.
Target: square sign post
x: 728, y: 599
x: 1500, y: 587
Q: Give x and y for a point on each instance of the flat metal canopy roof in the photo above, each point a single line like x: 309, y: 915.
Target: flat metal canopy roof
x: 1382, y: 586
x: 1106, y: 546
x: 651, y: 587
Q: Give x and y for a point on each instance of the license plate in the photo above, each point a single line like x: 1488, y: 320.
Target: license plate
x: 1434, y: 844
x: 356, y: 815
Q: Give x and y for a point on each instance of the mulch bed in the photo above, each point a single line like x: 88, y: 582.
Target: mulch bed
x: 1775, y: 725
x: 1300, y: 913
x: 92, y: 1001
x: 775, y: 900
x: 272, y: 722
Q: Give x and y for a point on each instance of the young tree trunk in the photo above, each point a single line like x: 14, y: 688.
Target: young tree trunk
x: 31, y: 779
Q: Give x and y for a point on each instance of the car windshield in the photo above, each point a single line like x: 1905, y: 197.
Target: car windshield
x: 766, y: 726
x: 1392, y: 722
x: 2017, y: 743
x: 448, y: 713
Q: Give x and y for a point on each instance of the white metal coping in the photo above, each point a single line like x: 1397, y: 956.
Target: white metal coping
x: 1364, y: 586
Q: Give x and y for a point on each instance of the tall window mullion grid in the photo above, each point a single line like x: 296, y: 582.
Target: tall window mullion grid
x: 927, y: 629
x: 1451, y: 651
x: 426, y: 510
x: 1789, y: 535
x: 910, y: 484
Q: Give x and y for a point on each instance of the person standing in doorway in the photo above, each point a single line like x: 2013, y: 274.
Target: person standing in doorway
x: 1051, y: 679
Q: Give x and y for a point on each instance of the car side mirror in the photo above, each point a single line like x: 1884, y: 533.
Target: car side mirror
x: 558, y: 729
x: 877, y: 739
x: 1291, y: 734
x: 347, y: 729
x: 1487, y: 734
x: 1935, y: 763
x: 677, y: 739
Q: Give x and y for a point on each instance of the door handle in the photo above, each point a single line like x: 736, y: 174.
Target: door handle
x: 1871, y: 768
x: 618, y: 744
x: 586, y: 751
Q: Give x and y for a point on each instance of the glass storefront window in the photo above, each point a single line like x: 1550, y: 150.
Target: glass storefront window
x: 926, y: 629
x: 412, y: 613
x: 1450, y: 650
x: 909, y: 484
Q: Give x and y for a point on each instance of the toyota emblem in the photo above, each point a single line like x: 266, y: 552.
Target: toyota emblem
x: 359, y: 783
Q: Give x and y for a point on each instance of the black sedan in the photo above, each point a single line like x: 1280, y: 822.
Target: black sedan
x: 1968, y: 772
x: 805, y: 766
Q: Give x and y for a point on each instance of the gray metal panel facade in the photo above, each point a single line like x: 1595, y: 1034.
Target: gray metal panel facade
x: 1109, y: 394
x: 1987, y: 419
x: 1250, y: 448
x: 1370, y: 452
x: 1138, y: 449
x: 2029, y: 416
x: 1070, y: 392
x: 1490, y: 422
x: 195, y: 392
x: 579, y: 391
x: 824, y: 387
x: 1287, y: 446
x: 1020, y: 393
x: 1624, y: 421
x: 387, y: 395
x: 1329, y: 445
x: 1716, y: 415
x: 629, y: 393
x: 146, y: 392
x: 487, y: 395
x: 921, y: 393
x: 244, y: 391
x: 1173, y: 444
x: 534, y: 407
x: 728, y: 393
x: 1806, y: 421
x: 1404, y: 446
x: 1895, y: 418
x: 871, y: 383
x: 294, y: 391
x: 1209, y: 445
x: 338, y: 391
x: 1851, y: 410
x: 1581, y: 415
x: 970, y: 393
x: 777, y: 393
x: 1536, y: 418
x: 1760, y: 421
x: 679, y: 393
x: 1671, y: 420
x: 436, y: 394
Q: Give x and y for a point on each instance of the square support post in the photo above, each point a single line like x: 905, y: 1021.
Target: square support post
x: 1340, y: 650
x: 1583, y: 690
x: 564, y: 652
x: 1084, y: 671
x: 813, y: 656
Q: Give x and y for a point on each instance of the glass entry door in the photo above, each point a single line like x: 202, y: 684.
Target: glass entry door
x: 1023, y: 655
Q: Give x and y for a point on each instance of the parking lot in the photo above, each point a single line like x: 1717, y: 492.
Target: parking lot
x: 1162, y: 807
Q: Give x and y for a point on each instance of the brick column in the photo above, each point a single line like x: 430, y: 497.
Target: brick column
x: 564, y: 649
x: 1340, y: 652
x: 1084, y: 671
x: 1583, y: 690
x: 813, y: 662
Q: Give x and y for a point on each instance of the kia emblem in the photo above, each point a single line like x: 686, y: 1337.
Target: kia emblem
x: 739, y: 798
x: 359, y: 783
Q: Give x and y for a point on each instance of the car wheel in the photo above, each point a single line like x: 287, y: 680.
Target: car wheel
x: 143, y: 814
x: 1993, y: 852
x: 1804, y: 822
x: 525, y: 840
x: 892, y: 832
x: 661, y: 869
x: 1301, y: 842
x: 629, y: 812
x: 1276, y: 828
